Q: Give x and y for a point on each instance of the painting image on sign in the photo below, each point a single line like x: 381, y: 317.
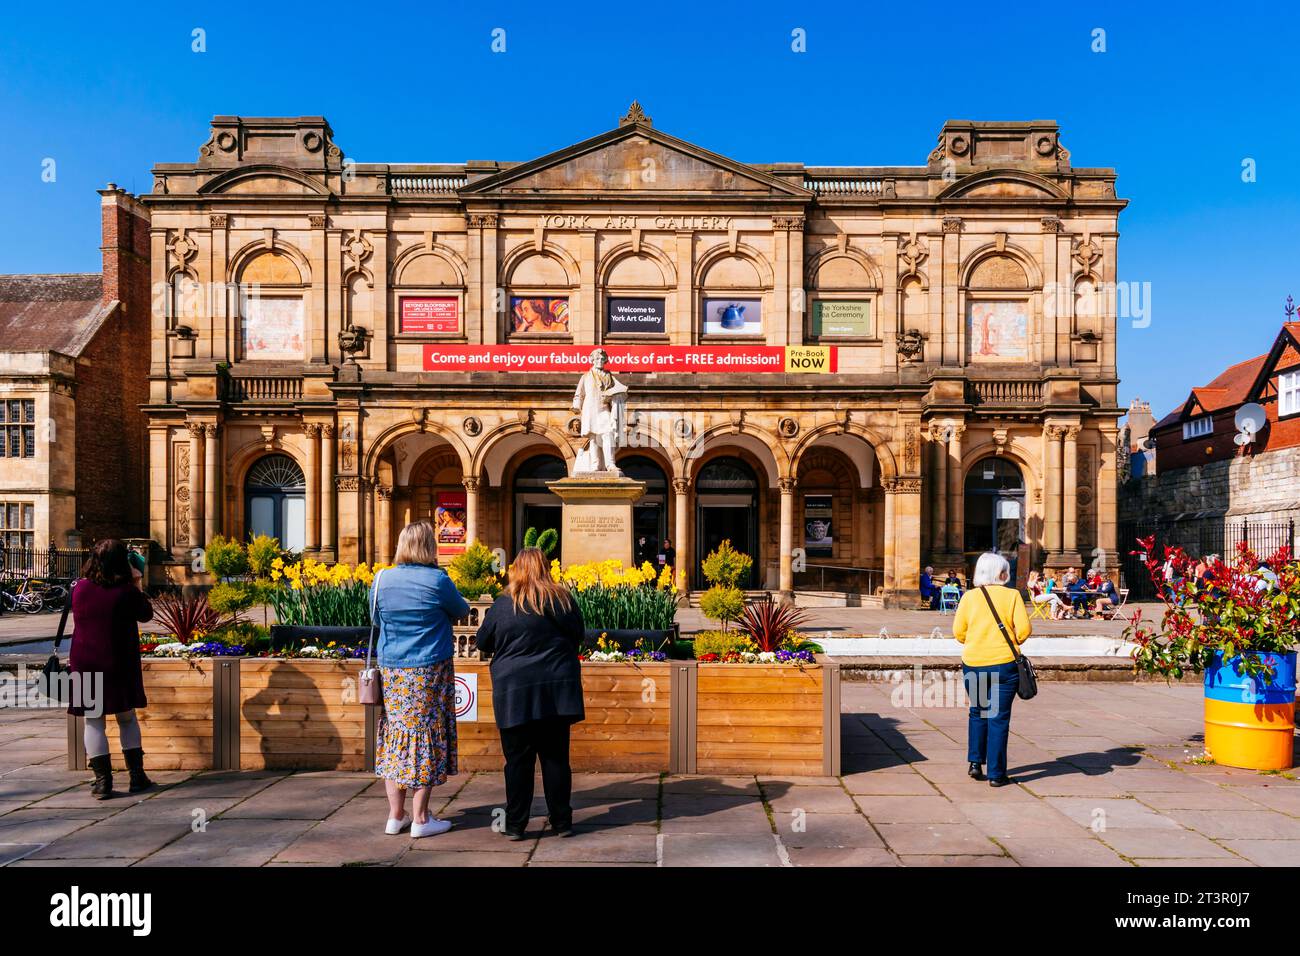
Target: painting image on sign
x: 428, y: 314
x: 273, y: 329
x: 644, y: 316
x: 733, y: 317
x: 838, y: 317
x: 539, y: 315
x: 998, y: 331
x: 449, y: 522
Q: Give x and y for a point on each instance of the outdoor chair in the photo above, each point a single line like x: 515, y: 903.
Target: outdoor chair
x: 1040, y: 609
x: 949, y: 596
x: 1110, y: 613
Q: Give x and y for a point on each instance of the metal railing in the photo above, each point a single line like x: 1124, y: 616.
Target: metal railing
x: 831, y: 577
x: 1199, y: 536
x: 60, y: 564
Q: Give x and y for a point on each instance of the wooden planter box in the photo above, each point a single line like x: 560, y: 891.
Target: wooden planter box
x: 628, y: 727
x: 766, y: 718
x: 679, y: 717
x: 300, y: 715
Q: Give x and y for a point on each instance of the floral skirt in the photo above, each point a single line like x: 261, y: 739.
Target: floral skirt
x: 417, y: 731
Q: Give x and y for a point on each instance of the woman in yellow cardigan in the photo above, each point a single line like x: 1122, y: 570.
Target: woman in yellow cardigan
x: 988, y: 664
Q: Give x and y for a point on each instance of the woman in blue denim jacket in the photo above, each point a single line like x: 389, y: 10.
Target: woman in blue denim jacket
x: 415, y: 605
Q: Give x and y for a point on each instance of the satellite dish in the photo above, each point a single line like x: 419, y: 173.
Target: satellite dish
x: 1250, y: 419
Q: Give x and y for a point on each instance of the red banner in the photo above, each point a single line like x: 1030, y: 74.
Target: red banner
x: 631, y: 358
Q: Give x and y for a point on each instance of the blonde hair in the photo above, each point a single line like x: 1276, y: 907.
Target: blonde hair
x: 531, y: 587
x: 417, y: 544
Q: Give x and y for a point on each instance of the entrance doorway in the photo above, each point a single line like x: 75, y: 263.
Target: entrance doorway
x: 650, y: 512
x: 535, y: 505
x: 275, y: 501
x: 995, y: 510
x: 726, y: 509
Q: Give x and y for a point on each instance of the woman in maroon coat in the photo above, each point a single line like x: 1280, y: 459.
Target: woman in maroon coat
x: 107, y: 605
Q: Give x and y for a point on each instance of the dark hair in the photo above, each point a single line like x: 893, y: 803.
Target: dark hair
x: 108, y: 564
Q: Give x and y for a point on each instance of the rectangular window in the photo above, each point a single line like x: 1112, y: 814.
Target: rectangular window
x: 17, y: 525
x: 1288, y: 393
x: 18, y: 428
x: 1198, y: 427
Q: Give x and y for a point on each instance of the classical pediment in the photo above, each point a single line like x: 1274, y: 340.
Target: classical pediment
x: 636, y: 158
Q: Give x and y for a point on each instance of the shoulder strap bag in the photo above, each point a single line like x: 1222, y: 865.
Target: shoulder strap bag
x: 1027, y: 688
x: 371, y: 690
x: 52, y: 684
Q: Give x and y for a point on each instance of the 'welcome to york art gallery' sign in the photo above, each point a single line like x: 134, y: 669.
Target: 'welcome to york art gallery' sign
x: 803, y: 359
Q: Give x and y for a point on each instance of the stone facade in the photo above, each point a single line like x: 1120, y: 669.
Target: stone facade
x: 970, y: 272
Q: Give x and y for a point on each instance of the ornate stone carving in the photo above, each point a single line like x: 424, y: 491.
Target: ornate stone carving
x: 1072, y: 432
x: 999, y: 441
x: 385, y: 492
x: 327, y: 430
x: 183, y: 248
x: 788, y: 427
x: 1053, y: 432
x: 907, y: 486
x: 268, y: 436
x: 195, y: 429
x: 1086, y: 253
x: 911, y: 448
x: 181, y: 493
x: 218, y: 220
x: 786, y: 484
x: 472, y: 425
x: 681, y: 486
x: 210, y: 430
x: 481, y: 220
x: 347, y: 455
x: 1084, y: 494
x: 358, y: 249
x: 911, y: 345
x: 347, y: 483
x: 952, y: 224
x: 311, y: 429
x: 471, y: 483
x: 318, y: 221
x: 1052, y: 224
x: 635, y: 114
x: 911, y: 253
x: 788, y: 223
x: 1124, y: 455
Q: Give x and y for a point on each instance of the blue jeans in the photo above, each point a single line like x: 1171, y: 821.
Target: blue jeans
x: 991, y: 690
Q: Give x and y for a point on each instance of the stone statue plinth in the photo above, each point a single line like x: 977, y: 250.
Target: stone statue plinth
x: 597, y: 523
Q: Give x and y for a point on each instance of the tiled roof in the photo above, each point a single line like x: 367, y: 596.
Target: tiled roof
x: 1231, y: 387
x: 50, y: 313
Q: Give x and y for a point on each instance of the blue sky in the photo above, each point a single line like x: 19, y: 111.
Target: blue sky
x: 1183, y: 94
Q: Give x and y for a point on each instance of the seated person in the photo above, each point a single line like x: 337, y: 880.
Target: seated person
x: 929, y: 590
x: 1078, y: 593
x: 1109, y: 597
x: 1040, y: 592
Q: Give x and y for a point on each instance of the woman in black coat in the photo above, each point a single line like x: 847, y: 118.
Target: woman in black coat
x: 533, y: 632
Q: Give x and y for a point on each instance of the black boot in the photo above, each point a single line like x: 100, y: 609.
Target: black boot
x: 975, y: 771
x: 135, y: 765
x: 102, y: 787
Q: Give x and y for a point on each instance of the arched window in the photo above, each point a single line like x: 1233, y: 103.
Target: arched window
x: 275, y: 501
x: 272, y: 310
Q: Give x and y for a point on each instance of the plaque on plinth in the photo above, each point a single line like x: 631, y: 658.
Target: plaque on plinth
x: 597, y: 522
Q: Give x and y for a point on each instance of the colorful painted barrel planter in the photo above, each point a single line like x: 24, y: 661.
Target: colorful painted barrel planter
x: 1250, y: 722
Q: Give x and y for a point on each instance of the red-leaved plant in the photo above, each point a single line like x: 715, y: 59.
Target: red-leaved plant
x: 769, y: 623
x: 186, y: 617
x: 1236, y: 606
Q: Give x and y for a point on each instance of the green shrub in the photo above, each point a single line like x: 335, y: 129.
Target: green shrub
x: 473, y: 572
x: 262, y: 550
x: 226, y: 558
x: 232, y: 597
x: 719, y: 642
x: 722, y: 603
x: 725, y: 566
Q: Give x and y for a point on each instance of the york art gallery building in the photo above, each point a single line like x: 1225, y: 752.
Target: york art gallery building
x: 849, y: 372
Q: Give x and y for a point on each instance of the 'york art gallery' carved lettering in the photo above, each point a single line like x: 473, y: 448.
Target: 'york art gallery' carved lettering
x: 598, y: 221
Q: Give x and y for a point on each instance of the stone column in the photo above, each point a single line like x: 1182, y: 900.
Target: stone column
x: 327, y: 493
x: 211, y: 506
x: 471, y: 484
x: 939, y: 483
x: 312, y: 531
x: 384, y: 525
x: 905, y: 515
x: 956, y: 504
x: 889, y: 485
x: 681, y: 502
x: 196, y: 483
x: 787, y: 486
x: 1052, y: 435
x: 1069, y: 481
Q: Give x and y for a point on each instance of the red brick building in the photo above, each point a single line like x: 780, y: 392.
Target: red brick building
x: 74, y: 367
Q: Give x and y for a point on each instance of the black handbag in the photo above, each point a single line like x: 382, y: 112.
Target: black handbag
x: 52, y: 682
x: 1027, y: 688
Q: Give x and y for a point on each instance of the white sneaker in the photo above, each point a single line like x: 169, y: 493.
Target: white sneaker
x: 432, y: 828
x: 395, y: 827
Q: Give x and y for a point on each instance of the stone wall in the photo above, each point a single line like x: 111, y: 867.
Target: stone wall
x: 1261, y: 488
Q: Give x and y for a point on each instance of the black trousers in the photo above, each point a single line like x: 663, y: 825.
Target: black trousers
x: 523, y: 745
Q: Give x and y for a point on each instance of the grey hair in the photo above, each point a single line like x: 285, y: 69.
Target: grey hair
x: 991, y: 569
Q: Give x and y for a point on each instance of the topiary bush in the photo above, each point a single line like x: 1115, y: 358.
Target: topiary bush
x: 262, y: 552
x: 719, y: 642
x: 722, y: 603
x: 225, y: 557
x: 546, y: 540
x: 725, y: 566
x: 474, y: 573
